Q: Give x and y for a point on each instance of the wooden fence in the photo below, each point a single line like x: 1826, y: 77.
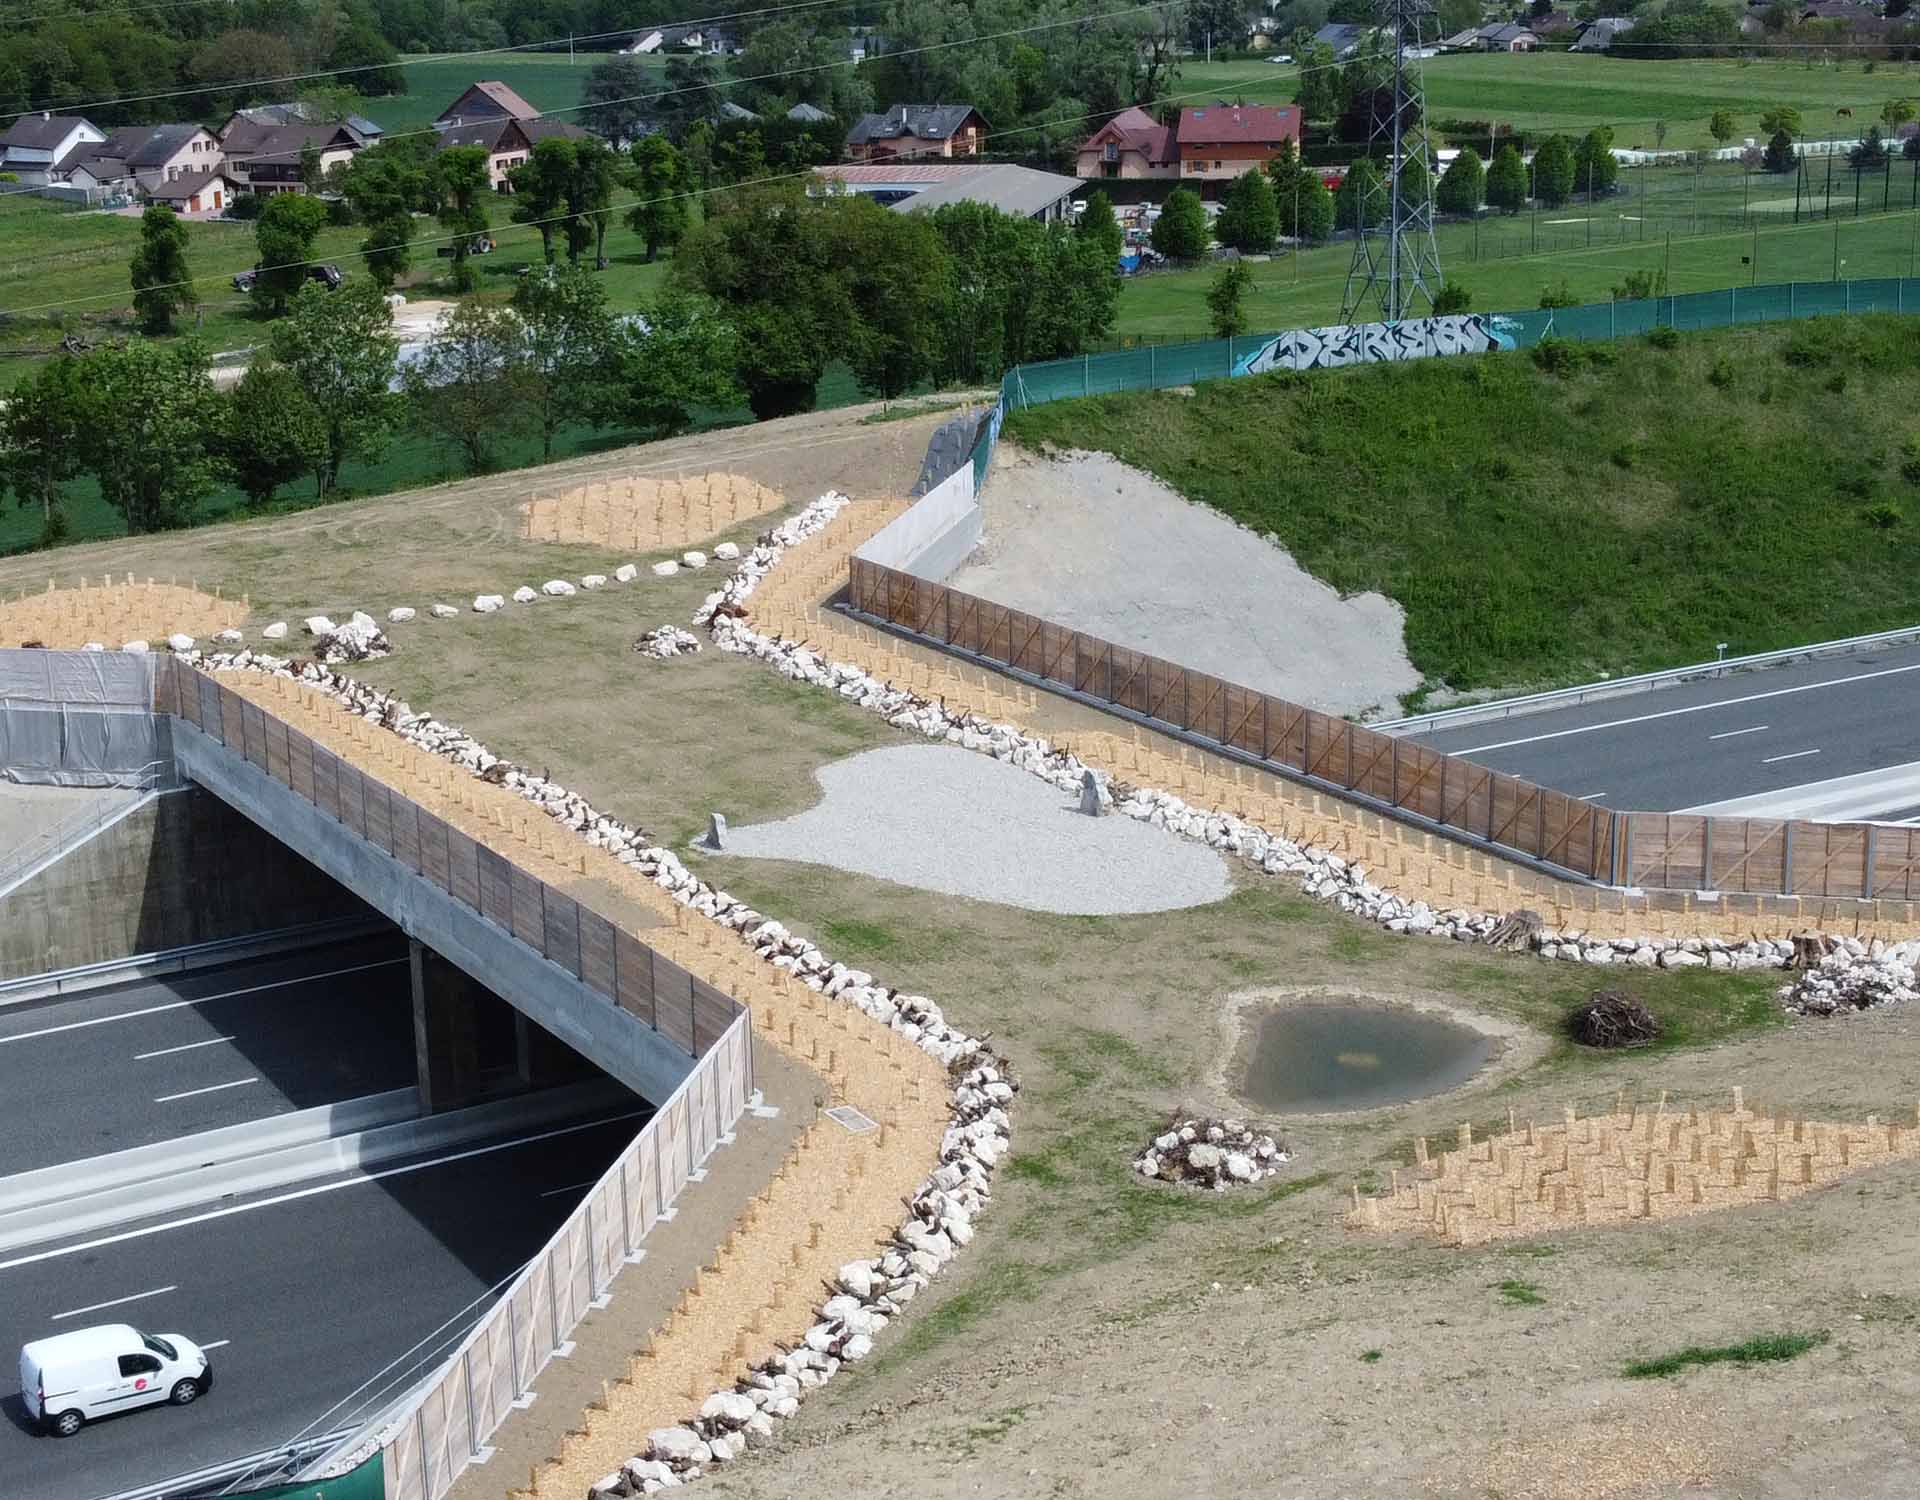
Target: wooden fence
x: 443, y: 1426
x: 1652, y: 851
x: 607, y: 959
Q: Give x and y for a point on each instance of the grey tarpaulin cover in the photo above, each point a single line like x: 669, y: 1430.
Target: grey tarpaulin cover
x: 80, y: 718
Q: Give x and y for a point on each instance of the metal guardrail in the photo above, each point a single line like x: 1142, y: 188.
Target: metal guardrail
x: 1506, y: 708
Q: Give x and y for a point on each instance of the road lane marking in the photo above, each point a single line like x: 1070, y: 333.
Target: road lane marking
x: 154, y: 1010
x: 216, y: 1344
x: 1797, y: 755
x: 576, y: 1188
x: 187, y: 1047
x: 1670, y: 713
x: 104, y: 1241
x: 212, y: 1088
x: 1590, y: 797
x: 1732, y: 733
x: 159, y: 1291
x: 1859, y: 796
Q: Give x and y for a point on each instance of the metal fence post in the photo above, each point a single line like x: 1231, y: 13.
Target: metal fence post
x: 420, y: 1437
x: 513, y: 1350
x: 473, y: 1432
x: 1153, y: 371
x: 626, y: 1212
x: 1086, y: 374
x: 553, y: 1302
x: 659, y: 1187
x: 593, y: 1260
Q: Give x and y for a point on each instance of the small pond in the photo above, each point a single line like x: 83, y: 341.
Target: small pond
x: 1314, y: 1059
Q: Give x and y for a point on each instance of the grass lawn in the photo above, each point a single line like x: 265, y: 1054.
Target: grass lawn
x: 1573, y: 93
x: 547, y: 81
x: 1748, y: 486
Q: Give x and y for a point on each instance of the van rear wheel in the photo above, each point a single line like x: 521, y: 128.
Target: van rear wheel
x: 185, y: 1392
x: 67, y: 1424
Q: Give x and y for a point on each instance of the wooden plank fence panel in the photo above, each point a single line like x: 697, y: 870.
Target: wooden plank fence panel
x: 673, y: 1002
x: 1207, y: 706
x: 1164, y: 691
x: 1896, y: 853
x: 432, y: 836
x: 529, y: 917
x: 496, y: 894
x: 713, y: 1013
x: 406, y: 831
x: 1245, y: 722
x: 379, y: 815
x: 596, y: 953
x: 1129, y: 685
x: 353, y: 794
x: 463, y: 869
x: 1058, y: 645
x: 1372, y: 763
x: 562, y: 935
x: 633, y: 976
x: 326, y: 781
x: 300, y: 766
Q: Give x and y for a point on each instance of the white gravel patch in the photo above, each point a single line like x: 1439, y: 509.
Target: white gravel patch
x: 945, y: 819
x: 1091, y: 542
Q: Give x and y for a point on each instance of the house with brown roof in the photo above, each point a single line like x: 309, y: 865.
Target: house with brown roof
x: 945, y: 130
x: 1131, y: 144
x: 270, y: 158
x: 149, y: 155
x: 490, y: 100
x: 508, y: 143
x: 204, y: 192
x: 32, y: 145
x: 1224, y: 140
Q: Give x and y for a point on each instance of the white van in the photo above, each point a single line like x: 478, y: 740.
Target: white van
x: 72, y: 1378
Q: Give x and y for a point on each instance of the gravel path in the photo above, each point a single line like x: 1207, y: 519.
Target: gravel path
x: 946, y: 819
x: 1088, y: 541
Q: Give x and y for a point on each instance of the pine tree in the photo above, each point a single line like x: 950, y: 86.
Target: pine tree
x: 1507, y: 181
x: 1463, y: 186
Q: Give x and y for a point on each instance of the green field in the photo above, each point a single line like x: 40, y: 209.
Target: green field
x: 1756, y: 486
x: 1573, y: 93
x: 548, y: 82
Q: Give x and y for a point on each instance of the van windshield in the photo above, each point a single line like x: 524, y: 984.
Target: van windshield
x: 159, y: 1346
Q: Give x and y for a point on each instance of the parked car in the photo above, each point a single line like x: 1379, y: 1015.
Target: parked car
x: 1282, y: 57
x: 328, y: 276
x: 480, y: 244
x: 74, y: 1378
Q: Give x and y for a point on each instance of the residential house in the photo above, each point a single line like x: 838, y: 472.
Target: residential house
x: 807, y: 114
x: 1461, y: 41
x: 730, y: 113
x: 1225, y: 140
x: 1849, y: 11
x: 944, y: 130
x: 32, y: 145
x: 270, y: 158
x: 508, y: 143
x: 1343, y: 37
x: 1510, y: 37
x: 715, y: 41
x: 491, y: 100
x: 208, y: 191
x: 149, y: 155
x: 1598, y: 35
x: 1131, y: 144
x: 296, y: 113
x: 919, y: 185
x: 1551, y: 26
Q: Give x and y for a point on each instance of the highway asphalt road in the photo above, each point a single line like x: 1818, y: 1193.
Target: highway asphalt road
x: 1834, y: 740
x: 307, y: 1294
x: 155, y: 1059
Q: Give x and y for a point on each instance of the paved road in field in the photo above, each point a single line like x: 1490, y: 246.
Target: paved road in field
x: 308, y: 1293
x: 155, y: 1059
x: 1834, y: 740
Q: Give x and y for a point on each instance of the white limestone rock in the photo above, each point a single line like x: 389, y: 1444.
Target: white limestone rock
x: 229, y: 637
x: 665, y: 569
x: 678, y: 1445
x: 694, y: 559
x: 180, y: 642
x: 625, y: 573
x: 136, y: 647
x: 727, y: 551
x: 557, y: 588
x: 486, y: 604
x: 399, y: 615
x: 443, y: 611
x: 318, y: 625
x: 277, y: 631
x: 524, y: 595
x: 593, y: 580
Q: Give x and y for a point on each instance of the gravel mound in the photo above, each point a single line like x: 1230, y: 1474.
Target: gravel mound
x: 944, y: 819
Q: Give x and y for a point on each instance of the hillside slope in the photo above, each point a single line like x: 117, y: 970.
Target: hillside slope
x: 1547, y: 515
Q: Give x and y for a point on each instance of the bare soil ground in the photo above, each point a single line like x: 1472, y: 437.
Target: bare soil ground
x: 1104, y: 1336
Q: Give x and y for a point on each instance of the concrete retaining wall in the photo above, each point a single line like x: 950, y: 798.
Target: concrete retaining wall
x: 183, y: 869
x: 935, y: 536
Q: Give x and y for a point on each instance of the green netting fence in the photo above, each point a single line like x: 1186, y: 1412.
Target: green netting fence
x: 1162, y: 366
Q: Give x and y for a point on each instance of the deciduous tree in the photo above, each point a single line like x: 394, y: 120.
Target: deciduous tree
x: 677, y: 358
x: 1553, y: 171
x: 568, y: 337
x: 1721, y: 126
x: 462, y: 186
x: 270, y: 432
x: 43, y: 432
x: 1249, y: 218
x: 1507, y: 181
x: 659, y: 214
x: 1098, y: 226
x: 1463, y: 186
x: 1226, y: 300
x: 340, y: 347
x: 469, y: 385
x: 1595, y: 168
x: 1181, y: 233
x: 540, y: 187
x: 153, y: 414
x: 284, y: 234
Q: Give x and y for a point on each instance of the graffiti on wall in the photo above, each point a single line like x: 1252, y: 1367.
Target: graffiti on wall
x: 1378, y: 343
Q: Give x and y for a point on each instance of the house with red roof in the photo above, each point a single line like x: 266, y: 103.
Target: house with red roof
x: 1131, y: 144
x: 1225, y: 140
x: 1214, y: 142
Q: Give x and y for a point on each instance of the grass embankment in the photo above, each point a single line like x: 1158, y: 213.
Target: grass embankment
x: 1753, y: 486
